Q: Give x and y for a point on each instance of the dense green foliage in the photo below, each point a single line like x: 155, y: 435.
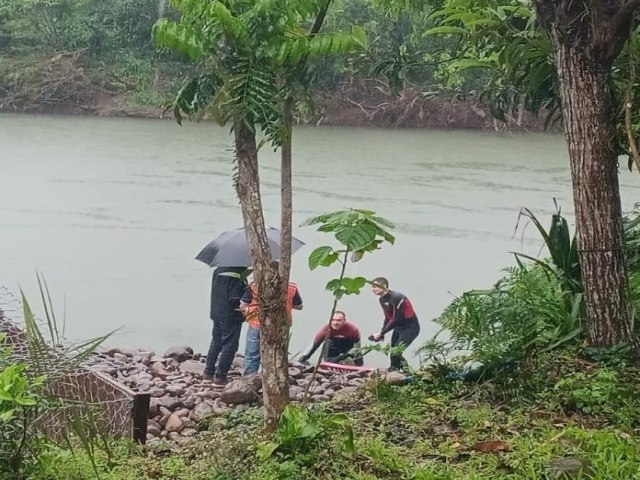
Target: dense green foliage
x: 84, y: 47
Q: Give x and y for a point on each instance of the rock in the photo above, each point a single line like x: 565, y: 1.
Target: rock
x: 157, y: 359
x: 188, y: 432
x: 293, y: 389
x: 153, y: 410
x: 104, y: 368
x: 175, y: 390
x: 201, y: 411
x: 179, y: 353
x: 156, y: 392
x: 170, y: 403
x: 143, y: 386
x: 567, y: 468
x: 119, y: 357
x: 317, y: 390
x: 239, y: 391
x: 158, y: 369
x: 356, y: 382
x: 182, y: 412
x: 190, y: 402
x: 192, y: 366
x: 219, y: 409
x: 254, y: 381
x: 345, y: 392
x: 320, y: 398
x: 238, y: 362
x: 395, y: 378
x: 174, y: 424
x: 141, y: 359
x: 153, y: 428
x: 295, y: 372
x: 173, y: 436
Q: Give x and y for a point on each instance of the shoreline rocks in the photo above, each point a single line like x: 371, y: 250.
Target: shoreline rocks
x: 180, y: 400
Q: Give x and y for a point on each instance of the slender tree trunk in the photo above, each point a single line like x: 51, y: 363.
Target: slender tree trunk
x: 286, y: 195
x: 587, y: 37
x: 274, y: 338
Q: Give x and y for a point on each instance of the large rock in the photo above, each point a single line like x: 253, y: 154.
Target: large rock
x: 201, y: 411
x: 153, y: 428
x: 174, y: 424
x: 168, y: 402
x: 192, y: 366
x: 179, y: 353
x: 240, y: 391
x: 158, y: 370
x: 176, y: 390
x: 395, y: 378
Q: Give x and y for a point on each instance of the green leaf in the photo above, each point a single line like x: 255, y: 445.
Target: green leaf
x: 359, y: 35
x: 322, y: 256
x: 356, y: 237
x: 353, y: 285
x: 446, y: 30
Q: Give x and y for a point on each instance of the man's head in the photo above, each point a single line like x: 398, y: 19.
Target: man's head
x: 379, y: 286
x: 338, y: 319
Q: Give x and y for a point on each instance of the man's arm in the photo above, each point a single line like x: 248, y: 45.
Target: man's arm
x: 317, y: 341
x: 396, y: 315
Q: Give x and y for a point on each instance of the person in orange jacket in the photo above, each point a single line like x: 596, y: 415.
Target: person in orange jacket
x: 249, y: 305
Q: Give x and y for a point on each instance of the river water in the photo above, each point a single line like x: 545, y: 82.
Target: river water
x: 113, y: 211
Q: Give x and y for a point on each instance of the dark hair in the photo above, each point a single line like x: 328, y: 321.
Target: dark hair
x: 380, y: 282
x: 344, y: 316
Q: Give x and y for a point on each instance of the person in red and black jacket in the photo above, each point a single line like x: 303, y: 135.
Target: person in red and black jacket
x: 399, y: 316
x: 342, y: 341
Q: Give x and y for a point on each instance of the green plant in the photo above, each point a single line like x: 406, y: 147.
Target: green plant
x: 523, y: 314
x: 300, y: 431
x: 20, y: 404
x: 26, y: 402
x: 599, y: 392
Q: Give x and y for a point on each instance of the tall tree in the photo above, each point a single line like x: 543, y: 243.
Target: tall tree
x: 563, y: 58
x: 248, y: 50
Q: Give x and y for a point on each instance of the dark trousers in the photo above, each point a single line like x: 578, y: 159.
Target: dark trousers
x: 224, y: 345
x: 403, y: 335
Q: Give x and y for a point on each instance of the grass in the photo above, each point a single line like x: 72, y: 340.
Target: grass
x: 528, y: 428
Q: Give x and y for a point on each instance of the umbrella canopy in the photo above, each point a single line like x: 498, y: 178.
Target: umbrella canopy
x: 231, y: 249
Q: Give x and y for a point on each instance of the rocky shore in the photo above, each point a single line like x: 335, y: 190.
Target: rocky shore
x: 180, y: 400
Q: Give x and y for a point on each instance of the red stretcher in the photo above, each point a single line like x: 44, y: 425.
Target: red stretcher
x: 340, y: 368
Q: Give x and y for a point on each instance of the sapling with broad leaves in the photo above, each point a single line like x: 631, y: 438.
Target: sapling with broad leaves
x: 358, y: 232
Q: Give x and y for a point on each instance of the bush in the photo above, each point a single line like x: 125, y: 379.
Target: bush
x: 523, y: 314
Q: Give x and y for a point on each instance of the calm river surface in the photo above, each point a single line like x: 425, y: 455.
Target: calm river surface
x: 113, y: 211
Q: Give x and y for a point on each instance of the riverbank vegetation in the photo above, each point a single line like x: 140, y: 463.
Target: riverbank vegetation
x: 89, y: 57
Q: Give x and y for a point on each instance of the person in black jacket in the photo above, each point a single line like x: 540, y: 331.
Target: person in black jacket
x: 227, y: 287
x: 399, y: 317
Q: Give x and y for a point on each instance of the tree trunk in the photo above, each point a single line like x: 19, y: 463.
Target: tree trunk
x: 274, y: 338
x: 286, y: 195
x: 589, y: 130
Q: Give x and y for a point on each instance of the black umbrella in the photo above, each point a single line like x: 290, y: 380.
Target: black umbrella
x: 231, y: 249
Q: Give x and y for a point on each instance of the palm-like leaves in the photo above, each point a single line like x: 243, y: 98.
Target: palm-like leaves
x: 251, y: 49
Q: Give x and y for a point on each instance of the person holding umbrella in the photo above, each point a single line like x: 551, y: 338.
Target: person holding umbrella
x: 399, y: 316
x: 229, y: 252
x: 227, y: 287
